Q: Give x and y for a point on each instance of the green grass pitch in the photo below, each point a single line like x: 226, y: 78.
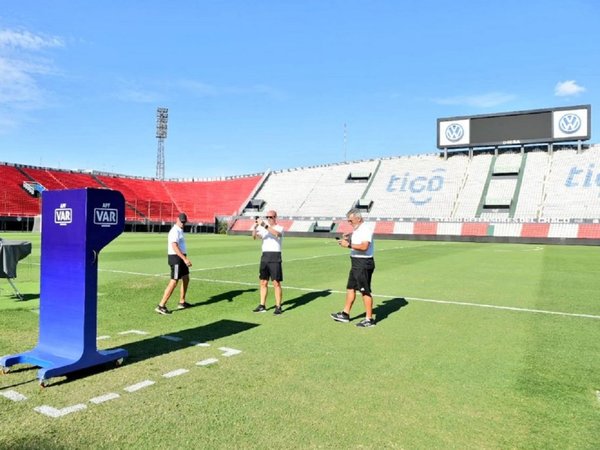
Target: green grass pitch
x: 477, y: 346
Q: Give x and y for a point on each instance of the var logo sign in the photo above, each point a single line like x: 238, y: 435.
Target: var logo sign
x: 63, y: 215
x: 106, y: 217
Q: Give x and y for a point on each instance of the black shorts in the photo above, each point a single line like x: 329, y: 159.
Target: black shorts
x: 360, y: 275
x: 179, y: 268
x: 270, y: 266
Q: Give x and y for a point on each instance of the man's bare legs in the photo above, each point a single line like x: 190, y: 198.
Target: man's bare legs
x: 278, y: 292
x: 168, y: 291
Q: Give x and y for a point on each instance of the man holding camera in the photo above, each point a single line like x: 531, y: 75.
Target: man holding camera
x: 270, y: 261
x: 360, y: 244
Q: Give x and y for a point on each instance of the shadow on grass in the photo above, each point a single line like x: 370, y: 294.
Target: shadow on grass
x: 385, y: 308
x: 304, y: 299
x: 5, y: 376
x: 159, y: 345
x: 17, y: 384
x: 26, y: 297
x: 228, y: 296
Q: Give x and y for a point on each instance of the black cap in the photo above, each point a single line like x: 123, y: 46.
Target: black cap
x: 182, y: 218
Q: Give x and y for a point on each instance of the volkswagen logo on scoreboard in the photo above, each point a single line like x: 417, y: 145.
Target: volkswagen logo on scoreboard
x: 571, y: 124
x: 453, y: 133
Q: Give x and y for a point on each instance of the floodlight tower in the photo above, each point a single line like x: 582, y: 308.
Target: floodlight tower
x: 162, y: 117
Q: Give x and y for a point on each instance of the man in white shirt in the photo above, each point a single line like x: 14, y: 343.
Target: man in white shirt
x: 270, y: 261
x: 179, y: 263
x: 360, y: 243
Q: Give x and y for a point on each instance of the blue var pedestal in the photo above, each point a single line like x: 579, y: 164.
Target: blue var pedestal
x: 76, y: 225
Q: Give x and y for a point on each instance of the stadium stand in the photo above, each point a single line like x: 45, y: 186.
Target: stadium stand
x: 508, y: 163
x: 532, y: 188
x: 531, y: 194
x: 14, y: 200
x: 507, y: 196
x: 146, y: 200
x: 503, y: 185
x: 314, y: 191
x: 500, y: 192
x: 205, y: 200
x: 423, y: 186
x: 57, y: 179
x: 572, y: 186
x: 302, y: 226
x: 469, y: 197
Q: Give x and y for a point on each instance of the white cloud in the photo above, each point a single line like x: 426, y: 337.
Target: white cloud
x: 17, y: 84
x: 568, y: 88
x: 488, y: 100
x: 21, y: 72
x: 27, y: 41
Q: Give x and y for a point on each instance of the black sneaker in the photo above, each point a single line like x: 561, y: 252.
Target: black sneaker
x: 184, y: 305
x: 278, y: 311
x: 162, y: 310
x: 340, y: 317
x: 366, y: 323
x: 260, y: 309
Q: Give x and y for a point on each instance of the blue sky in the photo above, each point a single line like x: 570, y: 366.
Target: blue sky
x: 257, y: 85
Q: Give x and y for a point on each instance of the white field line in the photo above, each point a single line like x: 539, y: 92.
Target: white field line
x: 138, y: 386
x: 506, y: 308
x: 104, y: 398
x: 524, y: 250
x: 229, y: 351
x: 417, y: 299
x: 426, y: 300
x: 14, y: 396
x: 175, y: 373
x: 206, y: 362
x: 53, y: 412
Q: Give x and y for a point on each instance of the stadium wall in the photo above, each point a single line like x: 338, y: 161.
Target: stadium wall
x: 507, y: 232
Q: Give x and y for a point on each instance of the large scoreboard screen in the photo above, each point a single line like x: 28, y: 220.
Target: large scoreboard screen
x: 518, y: 127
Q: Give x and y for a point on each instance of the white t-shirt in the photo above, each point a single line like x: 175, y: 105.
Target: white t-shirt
x: 364, y: 233
x: 270, y: 242
x: 176, y: 235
